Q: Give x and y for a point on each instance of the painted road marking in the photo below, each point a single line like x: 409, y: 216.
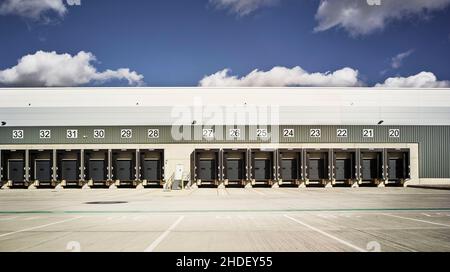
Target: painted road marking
x: 436, y: 214
x: 8, y: 218
x: 39, y: 227
x: 327, y: 216
x: 155, y: 243
x: 258, y: 192
x: 418, y: 220
x: 326, y: 234
x: 31, y: 218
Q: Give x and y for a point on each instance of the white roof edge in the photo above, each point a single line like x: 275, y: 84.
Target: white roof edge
x: 156, y: 105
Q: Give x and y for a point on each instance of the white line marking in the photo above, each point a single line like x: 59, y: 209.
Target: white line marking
x: 7, y: 218
x: 258, y: 192
x: 39, y: 227
x: 158, y: 240
x: 418, y: 220
x: 326, y: 234
x: 327, y: 216
x: 30, y: 218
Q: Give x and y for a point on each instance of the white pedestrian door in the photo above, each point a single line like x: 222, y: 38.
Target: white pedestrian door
x: 179, y: 172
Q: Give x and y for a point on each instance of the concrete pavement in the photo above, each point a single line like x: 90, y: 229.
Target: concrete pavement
x: 231, y: 219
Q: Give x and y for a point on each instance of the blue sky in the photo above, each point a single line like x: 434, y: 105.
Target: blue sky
x: 178, y: 42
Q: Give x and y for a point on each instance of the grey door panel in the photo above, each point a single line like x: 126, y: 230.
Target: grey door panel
x: 207, y: 169
x: 235, y: 169
x: 123, y: 170
x: 316, y: 169
x: 369, y: 169
x: 262, y: 169
x: 289, y: 169
x: 43, y: 170
x: 343, y: 169
x: 395, y: 169
x: 97, y: 170
x: 69, y: 170
x: 151, y: 169
x: 16, y: 170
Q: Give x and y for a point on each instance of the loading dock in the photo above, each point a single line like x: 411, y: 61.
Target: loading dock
x: 123, y: 169
x: 398, y: 166
x: 344, y: 166
x: 234, y: 167
x: 41, y: 168
x: 97, y: 162
x: 151, y: 163
x: 290, y: 168
x: 317, y: 166
x: 262, y: 168
x: 13, y: 164
x: 68, y: 170
x: 205, y: 166
x: 371, y: 166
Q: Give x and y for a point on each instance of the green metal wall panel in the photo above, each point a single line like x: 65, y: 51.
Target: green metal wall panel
x: 434, y: 141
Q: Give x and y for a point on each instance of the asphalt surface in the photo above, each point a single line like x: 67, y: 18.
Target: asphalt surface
x: 232, y: 219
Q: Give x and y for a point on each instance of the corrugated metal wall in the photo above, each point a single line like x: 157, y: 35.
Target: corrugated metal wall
x: 434, y: 141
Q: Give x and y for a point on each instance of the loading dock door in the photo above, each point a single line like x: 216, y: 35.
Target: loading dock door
x: 369, y: 169
x: 289, y: 169
x: 124, y: 170
x: 42, y: 170
x: 152, y: 169
x: 316, y: 169
x: 16, y: 171
x: 262, y: 169
x: 343, y: 169
x: 69, y: 170
x: 235, y: 169
x: 396, y: 170
x: 97, y: 170
x: 207, y: 170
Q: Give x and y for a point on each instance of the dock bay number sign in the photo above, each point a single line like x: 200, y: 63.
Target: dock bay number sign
x: 18, y: 134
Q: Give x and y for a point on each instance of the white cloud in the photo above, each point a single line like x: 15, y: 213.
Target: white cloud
x: 397, y: 61
x: 242, y: 7
x: 33, y: 9
x: 420, y: 80
x: 48, y: 69
x: 296, y: 76
x: 282, y: 76
x: 359, y: 18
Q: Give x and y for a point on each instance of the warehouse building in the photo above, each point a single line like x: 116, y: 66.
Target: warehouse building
x: 153, y: 137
